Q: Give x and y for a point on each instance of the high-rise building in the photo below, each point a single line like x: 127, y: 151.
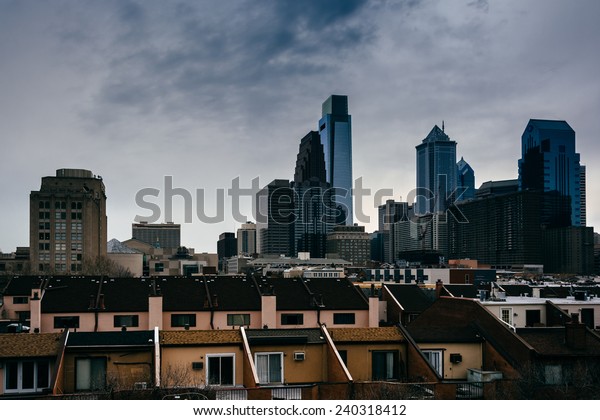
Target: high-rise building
x: 314, y: 206
x: 335, y: 129
x: 390, y: 214
x: 246, y: 239
x: 226, y: 247
x: 549, y: 163
x: 275, y: 212
x: 68, y: 222
x: 350, y: 243
x: 583, y: 195
x: 436, y: 172
x: 465, y: 181
x: 159, y: 235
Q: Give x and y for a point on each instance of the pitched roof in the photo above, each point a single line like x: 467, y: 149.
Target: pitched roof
x: 410, y: 296
x: 291, y: 294
x: 69, y: 294
x: 111, y: 338
x: 436, y: 134
x: 373, y: 334
x: 183, y: 293
x: 22, y: 285
x: 551, y: 341
x: 517, y: 289
x: 234, y: 293
x: 200, y: 337
x: 462, y: 290
x: 285, y: 336
x: 337, y: 294
x: 29, y: 345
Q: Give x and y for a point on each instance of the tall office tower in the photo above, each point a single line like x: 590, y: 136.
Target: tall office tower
x: 550, y: 164
x: 335, y: 129
x: 226, y: 247
x: 315, y: 208
x: 391, y: 213
x: 275, y: 219
x: 583, y: 195
x: 246, y: 239
x: 67, y: 219
x: 159, y: 235
x: 436, y: 172
x: 465, y: 181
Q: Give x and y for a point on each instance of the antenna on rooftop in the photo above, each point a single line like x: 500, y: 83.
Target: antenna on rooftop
x: 443, y: 127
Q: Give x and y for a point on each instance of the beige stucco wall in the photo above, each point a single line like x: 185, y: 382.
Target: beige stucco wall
x: 471, y: 358
x: 176, y: 364
x: 9, y: 309
x: 359, y: 357
x: 361, y: 319
x: 86, y: 321
x: 106, y: 321
x: 312, y: 369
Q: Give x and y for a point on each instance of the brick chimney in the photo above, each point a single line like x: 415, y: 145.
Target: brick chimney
x: 373, y: 307
x: 439, y: 285
x: 575, y: 333
x: 35, y: 307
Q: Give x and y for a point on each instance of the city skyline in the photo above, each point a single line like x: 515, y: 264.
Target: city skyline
x: 124, y: 90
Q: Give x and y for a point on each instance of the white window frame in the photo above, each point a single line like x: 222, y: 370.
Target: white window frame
x: 218, y: 356
x: 436, y: 358
x: 510, y: 315
x: 20, y: 388
x: 269, y: 353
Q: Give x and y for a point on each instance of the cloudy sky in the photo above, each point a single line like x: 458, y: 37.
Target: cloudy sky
x: 206, y: 92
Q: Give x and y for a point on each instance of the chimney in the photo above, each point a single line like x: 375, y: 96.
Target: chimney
x: 439, y: 285
x: 155, y: 311
x: 373, y: 308
x: 35, y: 307
x: 575, y: 333
x: 268, y: 309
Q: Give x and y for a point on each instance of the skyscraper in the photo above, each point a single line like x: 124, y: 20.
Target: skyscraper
x: 67, y: 221
x: 465, y: 181
x: 335, y: 129
x: 550, y: 164
x: 275, y: 219
x: 246, y: 239
x: 436, y: 172
x: 314, y: 206
x: 159, y: 235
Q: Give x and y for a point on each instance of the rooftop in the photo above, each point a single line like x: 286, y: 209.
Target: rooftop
x: 189, y: 338
x: 29, y: 345
x: 373, y: 334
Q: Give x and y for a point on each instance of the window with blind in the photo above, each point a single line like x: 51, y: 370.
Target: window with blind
x: 269, y: 367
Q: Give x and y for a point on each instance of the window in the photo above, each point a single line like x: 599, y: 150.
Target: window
x: 238, y: 319
x: 19, y: 300
x: 26, y: 376
x: 269, y: 367
x: 385, y: 365
x: 506, y: 315
x: 183, y: 320
x: 90, y: 373
x: 126, y: 321
x: 292, y: 319
x: 220, y: 369
x: 344, y: 318
x: 435, y: 358
x: 66, y: 322
x: 553, y: 374
x: 159, y: 267
x: 532, y: 317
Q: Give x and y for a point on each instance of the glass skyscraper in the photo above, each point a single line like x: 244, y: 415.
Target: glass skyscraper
x: 550, y: 164
x: 465, y: 181
x: 436, y: 172
x: 335, y: 129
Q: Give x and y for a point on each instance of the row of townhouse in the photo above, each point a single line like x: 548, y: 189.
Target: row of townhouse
x: 177, y: 303
x: 454, y: 349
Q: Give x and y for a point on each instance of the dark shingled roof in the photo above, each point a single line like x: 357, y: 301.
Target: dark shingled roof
x: 200, y: 337
x: 550, y: 341
x: 29, y: 345
x: 111, y: 338
x: 291, y: 294
x: 371, y: 335
x: 410, y: 296
x: 463, y: 290
x: 182, y: 294
x: 338, y: 294
x: 235, y: 293
x: 285, y: 336
x: 517, y: 289
x: 22, y: 285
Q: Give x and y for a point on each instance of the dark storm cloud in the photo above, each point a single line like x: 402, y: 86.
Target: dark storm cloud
x: 193, y: 59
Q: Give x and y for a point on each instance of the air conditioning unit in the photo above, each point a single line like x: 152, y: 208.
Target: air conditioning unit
x: 455, y: 358
x: 299, y: 355
x: 140, y: 385
x: 197, y: 365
